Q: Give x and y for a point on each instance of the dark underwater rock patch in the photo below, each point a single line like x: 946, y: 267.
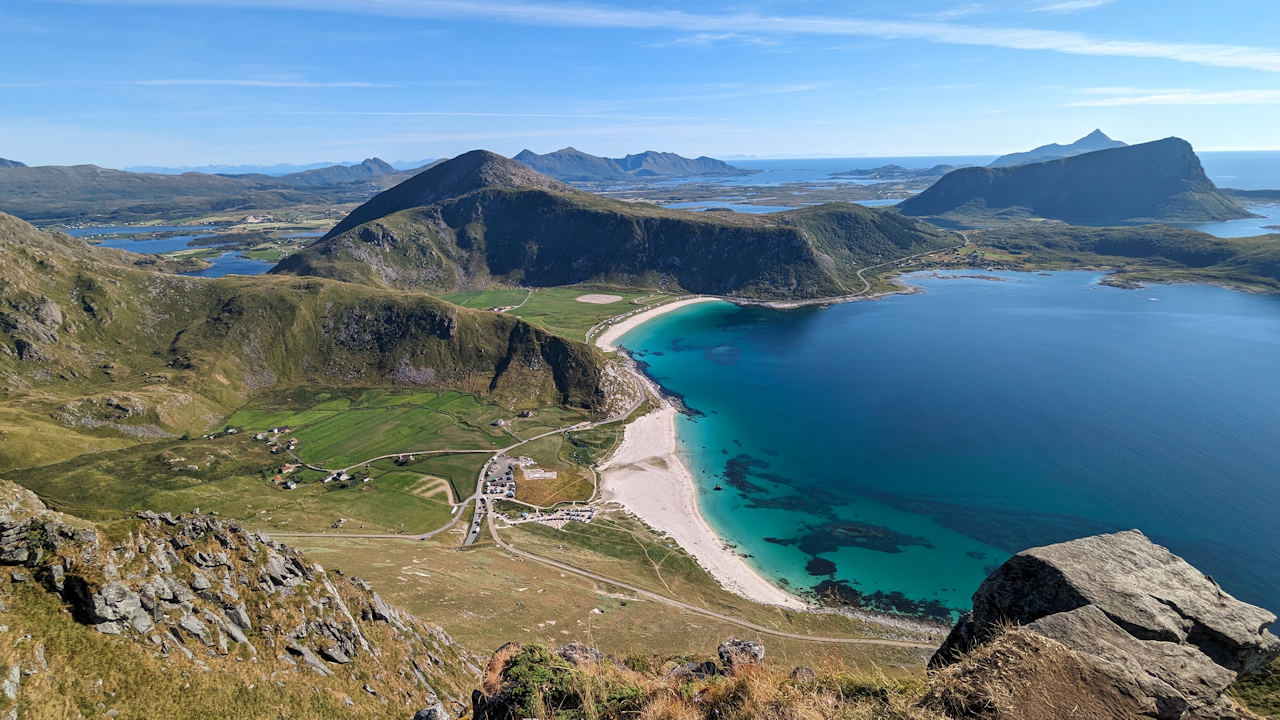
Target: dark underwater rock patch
x: 820, y: 566
x: 842, y: 594
x: 723, y: 354
x: 831, y: 536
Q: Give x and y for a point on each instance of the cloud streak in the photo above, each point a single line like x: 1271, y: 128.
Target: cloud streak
x: 1183, y: 98
x: 1071, y: 6
x: 230, y: 82
x: 610, y: 17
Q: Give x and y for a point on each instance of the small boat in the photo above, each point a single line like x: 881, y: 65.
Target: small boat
x: 718, y: 487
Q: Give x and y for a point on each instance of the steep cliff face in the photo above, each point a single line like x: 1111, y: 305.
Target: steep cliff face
x: 194, y: 617
x: 1114, y: 623
x: 1161, y: 180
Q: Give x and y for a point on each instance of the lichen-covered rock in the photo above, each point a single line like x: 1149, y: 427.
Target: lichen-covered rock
x: 738, y: 655
x: 579, y: 654
x: 1164, y: 632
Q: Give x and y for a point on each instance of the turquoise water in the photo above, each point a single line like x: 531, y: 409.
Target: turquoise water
x: 916, y: 441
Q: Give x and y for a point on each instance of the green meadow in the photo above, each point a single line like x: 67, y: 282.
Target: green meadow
x: 236, y: 476
x: 557, y: 308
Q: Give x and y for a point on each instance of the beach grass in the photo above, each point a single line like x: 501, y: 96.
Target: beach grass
x: 484, y: 597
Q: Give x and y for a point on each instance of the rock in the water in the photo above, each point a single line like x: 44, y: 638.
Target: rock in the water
x: 737, y: 655
x: 1165, y: 634
x: 579, y: 654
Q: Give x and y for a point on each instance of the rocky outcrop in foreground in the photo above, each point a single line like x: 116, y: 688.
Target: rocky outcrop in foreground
x: 1112, y: 623
x: 192, y: 595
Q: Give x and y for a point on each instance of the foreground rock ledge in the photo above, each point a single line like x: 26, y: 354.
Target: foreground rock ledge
x: 1164, y: 637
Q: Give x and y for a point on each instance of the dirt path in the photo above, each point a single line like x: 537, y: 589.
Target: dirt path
x: 493, y: 530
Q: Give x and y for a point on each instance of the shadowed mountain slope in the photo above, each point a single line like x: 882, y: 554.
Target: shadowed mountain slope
x: 1161, y: 181
x: 481, y: 219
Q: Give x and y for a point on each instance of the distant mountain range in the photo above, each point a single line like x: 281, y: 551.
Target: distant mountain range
x: 273, y: 170
x: 1094, y: 141
x: 480, y: 220
x: 1158, y: 181
x: 82, y: 192
x: 572, y: 165
x: 10, y: 163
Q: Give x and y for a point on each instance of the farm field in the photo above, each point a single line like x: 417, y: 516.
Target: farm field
x: 238, y: 477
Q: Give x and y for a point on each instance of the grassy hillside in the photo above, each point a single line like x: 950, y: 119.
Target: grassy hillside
x: 98, y: 354
x: 1135, y: 254
x: 481, y: 220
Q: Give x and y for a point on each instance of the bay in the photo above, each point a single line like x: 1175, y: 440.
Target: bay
x: 908, y: 445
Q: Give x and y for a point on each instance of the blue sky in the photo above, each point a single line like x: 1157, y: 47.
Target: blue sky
x: 188, y: 82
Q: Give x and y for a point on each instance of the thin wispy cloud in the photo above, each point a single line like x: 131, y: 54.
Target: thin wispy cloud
x: 704, y: 39
x: 231, y: 82
x: 609, y: 17
x: 1071, y: 6
x: 1183, y: 98
x: 478, y: 114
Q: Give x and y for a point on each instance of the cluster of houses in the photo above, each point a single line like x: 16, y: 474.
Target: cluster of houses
x: 273, y: 436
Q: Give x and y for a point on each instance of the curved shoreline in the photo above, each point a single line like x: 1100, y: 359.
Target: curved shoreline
x: 647, y: 477
x: 607, y: 339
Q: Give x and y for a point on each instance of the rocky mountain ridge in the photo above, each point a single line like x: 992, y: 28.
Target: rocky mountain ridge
x: 193, y: 598
x: 573, y: 165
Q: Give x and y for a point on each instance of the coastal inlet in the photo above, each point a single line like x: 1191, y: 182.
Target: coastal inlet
x: 889, y: 454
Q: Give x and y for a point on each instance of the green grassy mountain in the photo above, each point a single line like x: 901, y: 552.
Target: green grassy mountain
x: 481, y: 220
x: 573, y: 165
x: 97, y: 353
x: 1094, y: 141
x: 1155, y: 181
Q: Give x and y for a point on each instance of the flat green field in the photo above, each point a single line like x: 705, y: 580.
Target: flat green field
x: 558, y: 309
x: 337, y: 428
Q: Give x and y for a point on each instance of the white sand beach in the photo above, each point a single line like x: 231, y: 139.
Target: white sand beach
x: 647, y: 477
x: 609, y: 337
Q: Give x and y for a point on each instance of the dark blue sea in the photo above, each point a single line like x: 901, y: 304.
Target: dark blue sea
x: 900, y: 449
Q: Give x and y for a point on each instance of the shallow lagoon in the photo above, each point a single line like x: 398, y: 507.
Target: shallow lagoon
x: 917, y: 440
